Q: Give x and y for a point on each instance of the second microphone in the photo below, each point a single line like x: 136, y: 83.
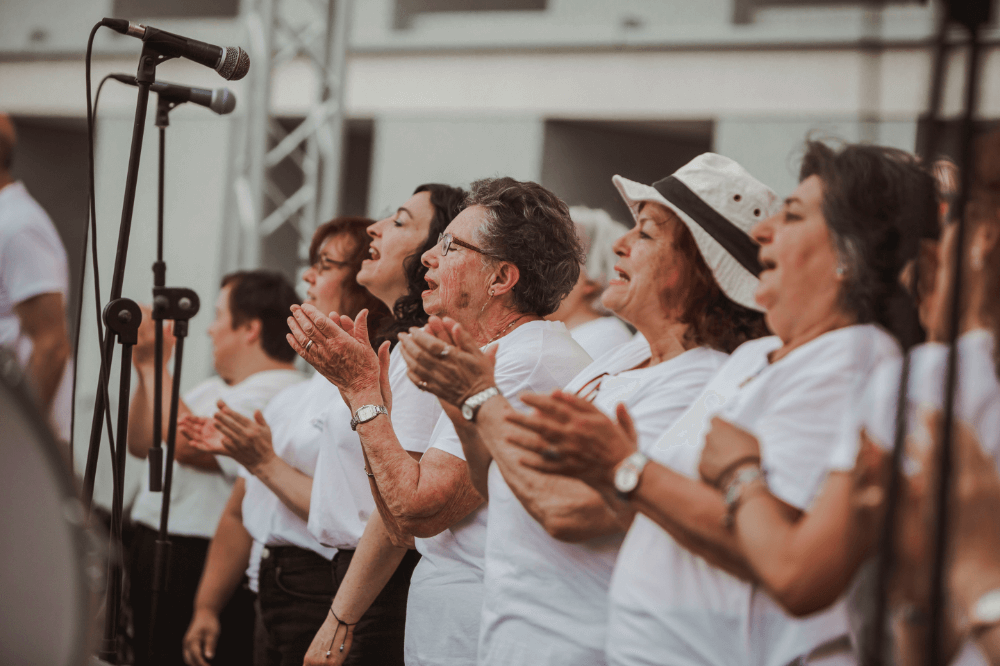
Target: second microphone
x: 220, y: 100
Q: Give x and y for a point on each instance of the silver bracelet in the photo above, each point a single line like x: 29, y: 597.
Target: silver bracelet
x: 735, y: 489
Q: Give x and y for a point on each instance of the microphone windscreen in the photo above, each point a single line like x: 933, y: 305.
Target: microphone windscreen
x: 223, y: 101
x: 235, y: 65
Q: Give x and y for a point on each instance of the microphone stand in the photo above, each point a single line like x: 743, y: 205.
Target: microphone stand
x: 179, y: 305
x: 122, y: 316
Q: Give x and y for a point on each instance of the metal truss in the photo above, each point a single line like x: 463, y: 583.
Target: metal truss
x: 313, y: 33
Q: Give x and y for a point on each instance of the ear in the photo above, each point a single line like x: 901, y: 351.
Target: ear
x: 504, y: 279
x: 252, y: 329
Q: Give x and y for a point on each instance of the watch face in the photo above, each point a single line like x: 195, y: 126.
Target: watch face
x: 626, y: 479
x: 468, y: 412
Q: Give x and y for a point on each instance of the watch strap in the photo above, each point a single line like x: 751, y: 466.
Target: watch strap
x: 470, y: 408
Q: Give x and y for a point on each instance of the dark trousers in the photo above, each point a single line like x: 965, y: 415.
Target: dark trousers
x: 378, y: 637
x: 295, y: 594
x: 187, y: 559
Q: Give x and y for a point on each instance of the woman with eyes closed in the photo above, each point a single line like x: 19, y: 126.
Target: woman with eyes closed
x: 552, y: 541
x: 503, y: 263
x: 682, y: 592
x: 337, y: 501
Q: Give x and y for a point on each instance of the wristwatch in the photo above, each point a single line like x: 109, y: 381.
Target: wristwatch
x: 471, y: 406
x: 985, y: 612
x: 366, y: 413
x: 627, y: 473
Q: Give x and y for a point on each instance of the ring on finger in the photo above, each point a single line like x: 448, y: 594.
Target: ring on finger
x: 423, y: 384
x: 444, y: 352
x: 551, y: 454
x: 308, y: 345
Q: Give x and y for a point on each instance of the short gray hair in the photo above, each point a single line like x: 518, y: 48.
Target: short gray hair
x: 530, y: 227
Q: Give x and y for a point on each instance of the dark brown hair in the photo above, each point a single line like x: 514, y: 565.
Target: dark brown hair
x: 266, y: 296
x: 713, y: 319
x: 355, y: 229
x: 408, y: 310
x: 877, y: 202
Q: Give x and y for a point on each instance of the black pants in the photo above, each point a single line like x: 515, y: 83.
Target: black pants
x: 295, y: 594
x: 378, y: 637
x: 187, y: 559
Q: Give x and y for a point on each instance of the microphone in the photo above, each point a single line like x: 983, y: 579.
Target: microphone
x: 231, y: 62
x: 220, y: 100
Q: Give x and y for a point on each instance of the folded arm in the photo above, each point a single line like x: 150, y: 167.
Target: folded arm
x: 567, y: 508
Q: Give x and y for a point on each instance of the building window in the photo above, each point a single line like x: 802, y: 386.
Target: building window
x: 147, y: 9
x: 407, y: 10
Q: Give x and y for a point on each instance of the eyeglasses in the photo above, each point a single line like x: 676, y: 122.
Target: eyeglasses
x: 324, y: 264
x: 446, y: 240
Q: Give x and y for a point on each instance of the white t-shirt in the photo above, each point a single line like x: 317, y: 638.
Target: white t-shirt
x: 341, y: 496
x: 601, y: 335
x: 32, y: 262
x: 446, y: 590
x: 299, y: 428
x: 197, y: 497
x: 977, y: 403
x: 671, y: 606
x: 546, y: 600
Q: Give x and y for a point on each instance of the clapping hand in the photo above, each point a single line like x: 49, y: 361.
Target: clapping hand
x: 443, y: 359
x: 337, y: 346
x: 246, y: 441
x: 567, y: 435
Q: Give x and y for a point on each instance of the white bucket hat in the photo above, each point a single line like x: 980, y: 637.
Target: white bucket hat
x: 720, y: 202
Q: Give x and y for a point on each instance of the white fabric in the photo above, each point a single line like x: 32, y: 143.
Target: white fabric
x: 32, y: 263
x: 341, y: 495
x: 299, y: 428
x: 601, y: 335
x: 977, y: 403
x: 669, y: 605
x: 446, y: 590
x: 197, y: 497
x: 546, y: 600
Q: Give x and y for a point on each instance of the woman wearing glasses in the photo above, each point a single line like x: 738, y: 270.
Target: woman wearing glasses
x: 503, y: 264
x: 316, y: 482
x: 552, y: 541
x: 263, y: 528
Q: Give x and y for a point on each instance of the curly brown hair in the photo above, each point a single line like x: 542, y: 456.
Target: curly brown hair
x: 713, y: 319
x: 356, y: 230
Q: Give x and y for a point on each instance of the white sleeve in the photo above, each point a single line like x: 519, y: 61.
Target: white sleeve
x: 28, y: 267
x: 415, y: 413
x: 796, y: 432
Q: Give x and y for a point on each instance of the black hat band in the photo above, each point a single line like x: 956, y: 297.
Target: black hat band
x: 733, y: 240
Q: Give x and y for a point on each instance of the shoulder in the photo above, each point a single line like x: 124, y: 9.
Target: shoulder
x: 852, y: 352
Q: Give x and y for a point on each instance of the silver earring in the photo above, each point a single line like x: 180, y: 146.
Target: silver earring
x: 840, y: 270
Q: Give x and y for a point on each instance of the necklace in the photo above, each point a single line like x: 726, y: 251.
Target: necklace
x: 504, y: 331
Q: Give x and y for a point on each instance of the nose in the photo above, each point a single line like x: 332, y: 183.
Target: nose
x: 764, y: 230
x: 622, y: 245
x: 310, y: 275
x: 430, y: 257
x: 375, y: 229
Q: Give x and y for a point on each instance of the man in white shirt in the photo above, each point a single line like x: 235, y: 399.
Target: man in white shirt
x: 34, y: 283
x: 254, y: 363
